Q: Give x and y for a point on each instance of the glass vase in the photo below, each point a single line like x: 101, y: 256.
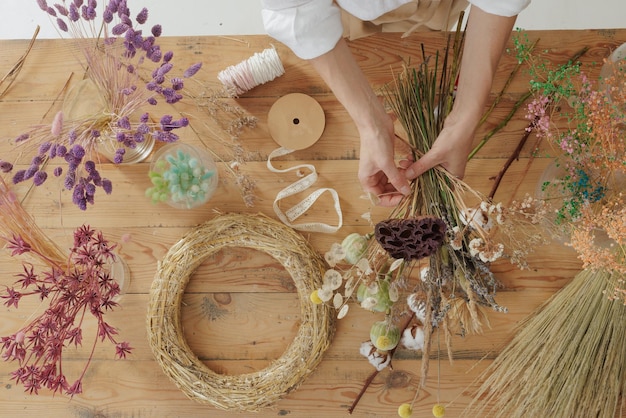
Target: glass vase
x: 85, y: 103
x: 183, y: 176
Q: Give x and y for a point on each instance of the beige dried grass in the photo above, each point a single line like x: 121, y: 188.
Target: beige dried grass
x: 568, y: 360
x: 251, y: 391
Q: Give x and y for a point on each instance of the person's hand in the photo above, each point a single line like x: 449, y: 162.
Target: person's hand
x: 378, y: 173
x: 450, y: 151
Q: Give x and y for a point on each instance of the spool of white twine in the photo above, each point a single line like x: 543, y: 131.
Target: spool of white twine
x: 258, y: 69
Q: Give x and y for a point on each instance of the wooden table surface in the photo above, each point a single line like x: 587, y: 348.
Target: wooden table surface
x: 240, y: 310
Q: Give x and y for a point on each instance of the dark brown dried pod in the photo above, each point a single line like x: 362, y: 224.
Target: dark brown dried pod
x: 411, y: 239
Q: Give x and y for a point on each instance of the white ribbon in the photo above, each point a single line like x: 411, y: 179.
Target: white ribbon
x: 299, y: 209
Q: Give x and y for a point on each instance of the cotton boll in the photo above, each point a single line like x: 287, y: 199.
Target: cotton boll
x: 413, y: 338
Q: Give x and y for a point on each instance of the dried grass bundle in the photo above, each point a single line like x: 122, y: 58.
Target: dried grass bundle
x: 15, y: 221
x: 251, y: 391
x: 566, y: 361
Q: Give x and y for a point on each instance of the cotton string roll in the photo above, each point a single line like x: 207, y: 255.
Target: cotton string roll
x: 258, y: 69
x: 296, y: 121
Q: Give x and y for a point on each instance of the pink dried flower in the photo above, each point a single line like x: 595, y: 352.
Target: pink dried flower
x: 81, y: 286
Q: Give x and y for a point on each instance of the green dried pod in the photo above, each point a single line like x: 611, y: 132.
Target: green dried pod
x: 354, y: 245
x: 384, y: 335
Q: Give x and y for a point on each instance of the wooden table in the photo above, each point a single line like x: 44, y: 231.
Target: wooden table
x: 240, y: 310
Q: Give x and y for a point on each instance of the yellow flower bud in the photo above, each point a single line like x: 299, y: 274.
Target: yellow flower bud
x: 315, y: 297
x: 439, y: 411
x: 405, y: 410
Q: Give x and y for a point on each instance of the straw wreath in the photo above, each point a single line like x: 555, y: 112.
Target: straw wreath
x: 251, y: 391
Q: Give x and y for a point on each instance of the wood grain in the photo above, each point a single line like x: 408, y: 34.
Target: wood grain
x: 240, y: 309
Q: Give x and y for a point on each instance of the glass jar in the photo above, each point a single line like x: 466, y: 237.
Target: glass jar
x: 182, y: 175
x: 84, y: 104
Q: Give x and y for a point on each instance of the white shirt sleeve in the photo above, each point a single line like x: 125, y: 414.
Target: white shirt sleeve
x: 501, y: 7
x: 310, y: 28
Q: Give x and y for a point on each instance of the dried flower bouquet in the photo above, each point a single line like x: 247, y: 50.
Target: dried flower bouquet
x: 69, y: 286
x: 109, y: 108
x: 567, y: 358
x: 451, y: 231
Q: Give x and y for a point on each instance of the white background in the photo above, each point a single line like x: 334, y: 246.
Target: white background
x: 19, y: 18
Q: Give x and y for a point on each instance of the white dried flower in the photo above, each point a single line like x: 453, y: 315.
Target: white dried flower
x: 337, y: 300
x: 475, y: 246
x: 378, y: 359
x: 477, y: 219
x: 424, y: 272
x: 343, y: 311
x: 325, y: 294
x: 413, y: 338
x: 333, y: 278
x: 369, y: 303
x: 363, y: 265
x: 417, y: 304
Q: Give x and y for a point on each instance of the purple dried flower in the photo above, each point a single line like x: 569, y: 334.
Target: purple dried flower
x: 164, y: 69
x: 73, y: 136
x: 62, y: 25
x: 58, y: 171
x: 43, y: 5
x: 151, y: 86
x: 39, y: 178
x: 37, y: 160
x: 130, y: 68
x: 61, y: 150
x: 124, y: 123
x: 191, y: 71
x: 74, y: 15
x: 142, y: 16
x: 157, y: 30
x: 30, y: 172
x: 144, y: 117
x: 165, y: 136
x: 22, y: 137
x: 61, y: 9
x: 5, y: 166
x: 44, y: 147
x: 78, y: 3
x: 177, y: 83
x: 112, y: 6
x: 167, y: 57
x: 143, y: 128
x: 88, y: 13
x: 152, y: 101
x: 107, y: 16
x: 78, y: 151
x: 78, y: 197
x: 154, y: 53
x: 119, y: 29
x: 18, y: 177
x: 51, y: 11
x: 173, y: 98
x: 119, y: 156
x: 126, y: 20
x: 70, y: 180
x: 107, y: 186
x: 90, y: 166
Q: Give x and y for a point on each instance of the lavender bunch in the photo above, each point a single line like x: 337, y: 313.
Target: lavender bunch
x: 82, y: 285
x: 118, y: 58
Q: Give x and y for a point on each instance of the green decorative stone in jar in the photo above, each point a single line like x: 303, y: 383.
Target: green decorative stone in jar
x: 182, y: 175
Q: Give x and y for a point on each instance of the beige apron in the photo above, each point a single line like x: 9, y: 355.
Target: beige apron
x: 417, y: 15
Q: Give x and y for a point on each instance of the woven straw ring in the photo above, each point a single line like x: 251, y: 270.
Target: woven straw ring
x: 251, y: 391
